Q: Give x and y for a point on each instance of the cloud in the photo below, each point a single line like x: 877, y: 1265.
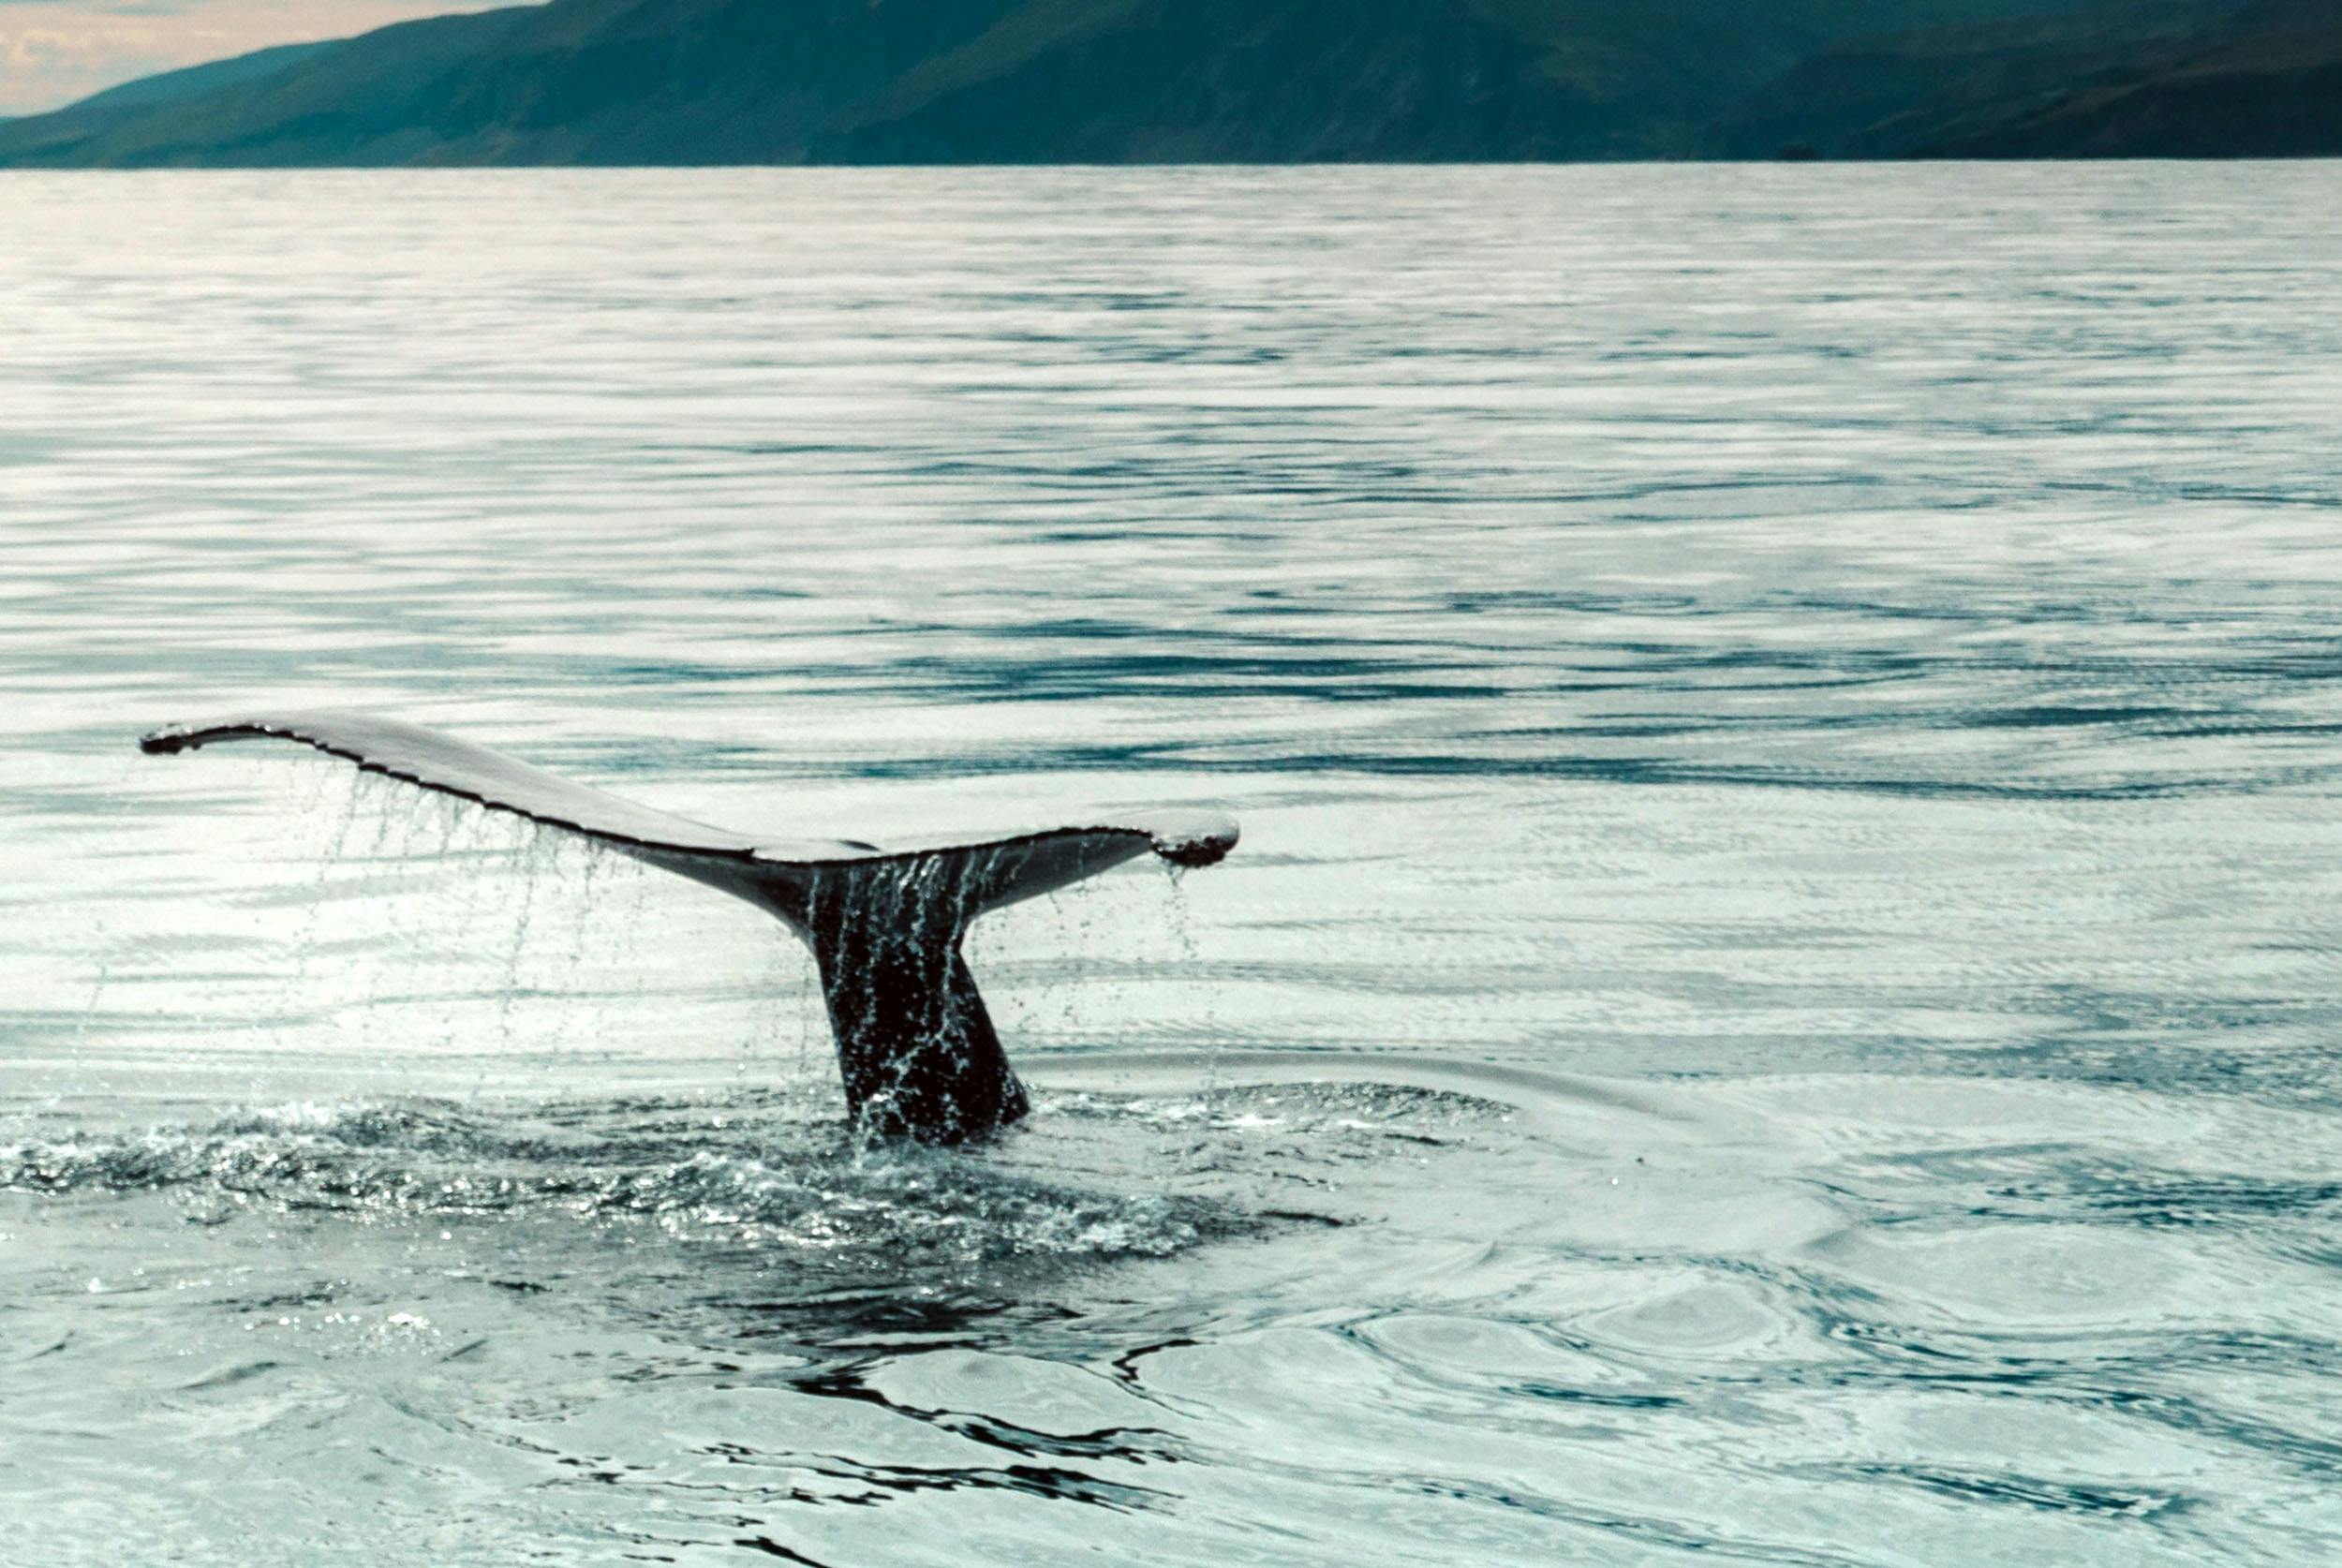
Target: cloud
x: 53, y: 51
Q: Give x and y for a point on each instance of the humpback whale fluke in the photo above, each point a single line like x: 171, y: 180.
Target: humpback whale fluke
x: 915, y: 1047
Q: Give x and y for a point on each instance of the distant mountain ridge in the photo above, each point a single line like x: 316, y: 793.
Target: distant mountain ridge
x: 195, y: 81
x: 719, y: 82
x: 2141, y: 77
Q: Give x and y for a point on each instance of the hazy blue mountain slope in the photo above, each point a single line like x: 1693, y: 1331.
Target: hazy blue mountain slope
x: 383, y: 98
x: 1122, y: 79
x: 578, y: 81
x: 695, y: 81
x: 1200, y: 80
x: 669, y: 82
x: 196, y: 80
x: 174, y: 86
x: 2168, y: 78
x: 60, y: 134
x: 2266, y: 85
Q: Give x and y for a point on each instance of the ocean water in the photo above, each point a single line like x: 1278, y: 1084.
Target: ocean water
x: 1781, y: 1000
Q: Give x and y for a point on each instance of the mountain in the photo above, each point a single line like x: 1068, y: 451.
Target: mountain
x: 150, y: 92
x: 374, y: 94
x: 196, y: 80
x: 716, y: 81
x: 2147, y: 78
x: 1275, y: 80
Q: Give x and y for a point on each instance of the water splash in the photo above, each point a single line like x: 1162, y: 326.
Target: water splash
x: 763, y: 1168
x: 530, y: 859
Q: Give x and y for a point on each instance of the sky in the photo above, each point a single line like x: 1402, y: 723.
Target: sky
x: 52, y: 51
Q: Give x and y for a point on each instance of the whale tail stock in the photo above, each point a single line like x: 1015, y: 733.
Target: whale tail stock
x: 916, y: 1049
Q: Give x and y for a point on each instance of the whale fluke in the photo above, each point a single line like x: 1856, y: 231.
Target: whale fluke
x: 915, y: 1047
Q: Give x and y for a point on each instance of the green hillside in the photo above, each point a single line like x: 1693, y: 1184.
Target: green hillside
x: 2145, y: 79
x: 716, y: 81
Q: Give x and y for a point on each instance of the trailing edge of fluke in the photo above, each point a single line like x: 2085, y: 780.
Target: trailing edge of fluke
x: 915, y: 1046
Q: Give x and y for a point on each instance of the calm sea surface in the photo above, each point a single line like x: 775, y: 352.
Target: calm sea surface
x: 1781, y: 1000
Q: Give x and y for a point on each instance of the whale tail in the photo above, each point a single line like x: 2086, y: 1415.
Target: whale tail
x: 916, y: 1049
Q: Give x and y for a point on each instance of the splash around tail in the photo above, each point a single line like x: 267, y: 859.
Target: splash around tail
x: 916, y: 1049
